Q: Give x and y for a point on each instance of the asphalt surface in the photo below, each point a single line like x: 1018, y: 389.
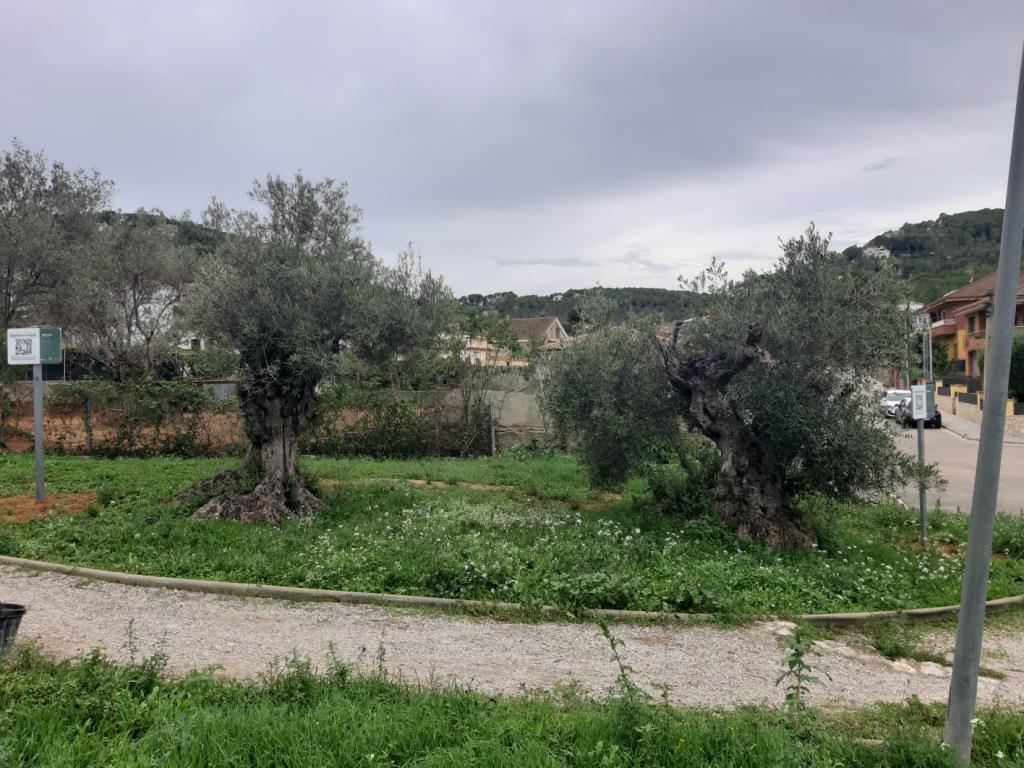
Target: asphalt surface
x: 956, y: 457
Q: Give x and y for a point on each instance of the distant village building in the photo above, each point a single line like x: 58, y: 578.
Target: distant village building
x: 960, y: 322
x: 532, y: 334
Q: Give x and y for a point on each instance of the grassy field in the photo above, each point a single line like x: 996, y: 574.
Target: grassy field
x: 93, y: 713
x: 549, y: 539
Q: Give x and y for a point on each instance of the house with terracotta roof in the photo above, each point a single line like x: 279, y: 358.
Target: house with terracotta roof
x: 960, y: 320
x: 531, y: 334
x: 539, y: 332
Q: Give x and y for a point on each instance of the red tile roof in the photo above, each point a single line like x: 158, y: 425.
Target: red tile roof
x: 532, y: 328
x: 972, y: 292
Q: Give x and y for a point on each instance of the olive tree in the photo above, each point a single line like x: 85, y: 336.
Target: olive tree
x: 129, y: 282
x: 775, y: 372
x: 48, y: 212
x: 293, y: 288
x: 402, y: 337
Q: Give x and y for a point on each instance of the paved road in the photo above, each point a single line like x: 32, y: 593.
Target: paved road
x: 956, y: 457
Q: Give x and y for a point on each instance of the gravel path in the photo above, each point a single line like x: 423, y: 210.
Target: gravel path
x: 702, y: 665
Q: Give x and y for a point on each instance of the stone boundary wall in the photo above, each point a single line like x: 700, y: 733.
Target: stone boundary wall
x: 973, y: 411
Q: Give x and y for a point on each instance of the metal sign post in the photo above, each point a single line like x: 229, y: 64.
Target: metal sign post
x: 922, y: 403
x: 37, y: 423
x: 35, y: 347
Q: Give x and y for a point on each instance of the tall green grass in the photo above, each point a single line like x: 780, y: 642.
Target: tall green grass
x: 93, y: 713
x: 549, y: 540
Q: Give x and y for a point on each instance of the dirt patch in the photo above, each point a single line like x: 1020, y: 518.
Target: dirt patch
x: 18, y: 509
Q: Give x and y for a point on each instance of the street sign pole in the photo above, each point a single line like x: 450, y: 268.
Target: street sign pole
x: 931, y: 357
x: 37, y: 413
x: 963, y: 684
x: 922, y: 406
x: 922, y: 494
x: 35, y: 347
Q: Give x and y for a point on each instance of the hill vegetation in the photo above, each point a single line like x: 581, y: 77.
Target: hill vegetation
x: 943, y: 254
x: 658, y: 303
x: 934, y: 257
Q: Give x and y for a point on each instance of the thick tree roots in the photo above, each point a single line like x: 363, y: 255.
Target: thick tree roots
x: 269, y: 502
x: 228, y: 479
x: 772, y: 527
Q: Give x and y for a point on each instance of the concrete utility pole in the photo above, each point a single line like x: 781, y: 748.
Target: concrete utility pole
x: 963, y: 686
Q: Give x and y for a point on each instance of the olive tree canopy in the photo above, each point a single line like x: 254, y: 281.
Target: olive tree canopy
x: 128, y: 283
x: 294, y: 288
x: 48, y: 213
x: 776, y: 371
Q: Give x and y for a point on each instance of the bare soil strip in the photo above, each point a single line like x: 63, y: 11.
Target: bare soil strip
x: 18, y: 509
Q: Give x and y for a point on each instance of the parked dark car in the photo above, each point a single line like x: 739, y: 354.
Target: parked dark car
x: 905, y: 416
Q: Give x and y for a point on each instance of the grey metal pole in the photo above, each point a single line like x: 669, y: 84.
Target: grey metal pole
x: 494, y: 437
x: 910, y: 336
x: 931, y: 357
x: 37, y: 419
x: 922, y: 494
x: 963, y: 686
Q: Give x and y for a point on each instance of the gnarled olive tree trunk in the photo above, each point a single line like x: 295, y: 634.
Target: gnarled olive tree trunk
x: 274, y: 419
x: 750, y: 497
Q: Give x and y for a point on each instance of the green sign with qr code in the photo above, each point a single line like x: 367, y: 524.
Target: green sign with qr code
x: 49, y: 346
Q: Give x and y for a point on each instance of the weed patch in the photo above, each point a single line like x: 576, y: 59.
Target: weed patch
x: 94, y: 713
x: 460, y: 536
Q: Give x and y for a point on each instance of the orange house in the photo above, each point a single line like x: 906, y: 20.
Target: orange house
x: 960, y: 321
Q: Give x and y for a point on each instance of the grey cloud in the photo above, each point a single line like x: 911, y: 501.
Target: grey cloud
x: 650, y: 264
x: 880, y: 165
x: 638, y: 254
x: 447, y: 110
x: 441, y: 105
x: 548, y: 261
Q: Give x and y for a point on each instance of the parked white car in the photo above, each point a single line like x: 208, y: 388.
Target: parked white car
x: 892, y: 400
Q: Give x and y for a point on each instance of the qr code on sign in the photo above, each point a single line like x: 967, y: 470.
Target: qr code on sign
x: 23, y: 347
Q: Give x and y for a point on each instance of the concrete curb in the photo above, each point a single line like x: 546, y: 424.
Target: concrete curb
x: 1007, y: 440
x: 958, y: 433
x: 304, y: 594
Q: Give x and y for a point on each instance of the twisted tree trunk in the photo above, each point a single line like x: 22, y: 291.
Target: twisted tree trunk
x: 274, y: 419
x: 750, y: 497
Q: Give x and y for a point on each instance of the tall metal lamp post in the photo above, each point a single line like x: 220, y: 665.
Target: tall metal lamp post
x: 963, y: 686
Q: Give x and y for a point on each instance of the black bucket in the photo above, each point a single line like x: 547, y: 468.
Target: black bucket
x: 10, y: 618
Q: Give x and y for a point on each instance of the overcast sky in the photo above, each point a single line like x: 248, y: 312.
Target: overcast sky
x: 535, y: 146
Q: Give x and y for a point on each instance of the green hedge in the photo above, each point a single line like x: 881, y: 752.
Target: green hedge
x: 375, y: 423
x: 176, y: 418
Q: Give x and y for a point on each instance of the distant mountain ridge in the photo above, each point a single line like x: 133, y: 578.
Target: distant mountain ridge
x: 941, y: 255
x: 935, y: 257
x: 659, y: 303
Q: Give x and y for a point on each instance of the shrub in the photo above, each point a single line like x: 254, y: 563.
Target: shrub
x: 374, y: 423
x: 688, y: 489
x: 606, y: 392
